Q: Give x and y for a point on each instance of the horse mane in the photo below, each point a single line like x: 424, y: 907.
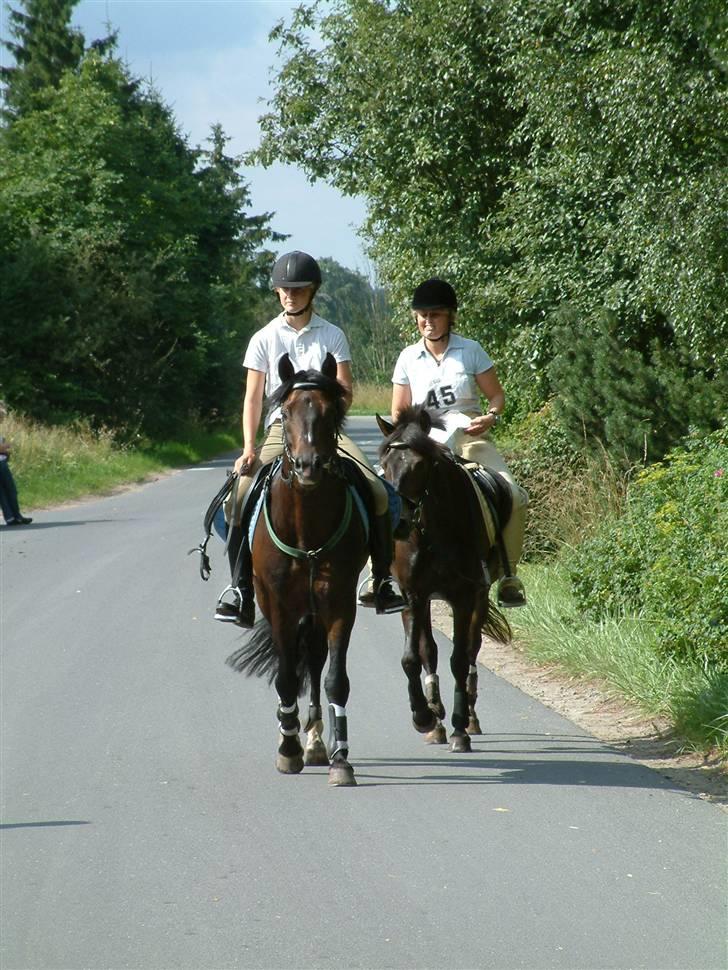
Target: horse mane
x: 330, y: 387
x: 409, y: 432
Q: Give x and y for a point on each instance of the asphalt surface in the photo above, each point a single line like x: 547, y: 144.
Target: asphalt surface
x: 144, y: 824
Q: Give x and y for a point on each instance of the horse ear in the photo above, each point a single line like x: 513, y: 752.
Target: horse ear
x: 425, y: 420
x: 329, y: 368
x: 285, y: 368
x: 384, y: 426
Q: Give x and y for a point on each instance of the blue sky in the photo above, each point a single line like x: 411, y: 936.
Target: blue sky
x: 210, y: 61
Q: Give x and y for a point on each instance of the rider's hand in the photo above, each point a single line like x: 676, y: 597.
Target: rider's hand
x: 480, y: 425
x: 245, y: 462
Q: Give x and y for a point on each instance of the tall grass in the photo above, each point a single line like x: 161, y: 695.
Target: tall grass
x: 56, y: 464
x: 623, y: 654
x: 371, y: 399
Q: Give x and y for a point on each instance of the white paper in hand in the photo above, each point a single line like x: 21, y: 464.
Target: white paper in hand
x: 452, y: 434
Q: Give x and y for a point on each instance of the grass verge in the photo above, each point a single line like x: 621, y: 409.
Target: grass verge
x: 622, y: 654
x: 58, y: 464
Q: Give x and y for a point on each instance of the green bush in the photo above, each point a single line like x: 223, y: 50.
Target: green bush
x: 665, y: 557
x: 570, y: 492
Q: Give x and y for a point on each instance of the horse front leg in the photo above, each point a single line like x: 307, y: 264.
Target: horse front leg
x: 289, y: 758
x: 341, y: 774
x: 424, y: 718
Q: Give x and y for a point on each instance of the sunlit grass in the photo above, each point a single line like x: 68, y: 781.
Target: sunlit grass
x: 56, y: 464
x: 623, y: 654
x: 371, y: 399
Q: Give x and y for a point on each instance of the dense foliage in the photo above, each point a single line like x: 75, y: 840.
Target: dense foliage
x: 362, y: 310
x: 553, y: 160
x: 130, y: 269
x: 666, y: 557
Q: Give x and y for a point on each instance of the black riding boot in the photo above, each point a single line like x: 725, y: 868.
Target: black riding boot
x: 382, y: 596
x: 241, y: 608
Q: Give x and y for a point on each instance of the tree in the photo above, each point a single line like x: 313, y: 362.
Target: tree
x: 45, y: 46
x: 130, y: 268
x: 540, y: 156
x: 363, y: 312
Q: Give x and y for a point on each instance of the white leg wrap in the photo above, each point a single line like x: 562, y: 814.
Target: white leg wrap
x: 431, y: 679
x: 473, y: 670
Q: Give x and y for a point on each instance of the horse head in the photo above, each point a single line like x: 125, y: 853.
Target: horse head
x: 408, y: 453
x: 312, y: 412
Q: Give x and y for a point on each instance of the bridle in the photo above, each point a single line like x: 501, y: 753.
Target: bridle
x: 332, y: 464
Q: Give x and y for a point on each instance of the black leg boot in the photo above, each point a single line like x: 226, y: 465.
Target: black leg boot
x: 382, y: 596
x: 240, y: 606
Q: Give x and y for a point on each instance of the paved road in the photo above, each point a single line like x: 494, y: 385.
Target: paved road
x: 144, y: 825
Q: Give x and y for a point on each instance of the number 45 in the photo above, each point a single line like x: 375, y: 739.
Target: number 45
x: 447, y: 397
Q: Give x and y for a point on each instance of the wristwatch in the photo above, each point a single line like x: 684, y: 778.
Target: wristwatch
x: 496, y: 417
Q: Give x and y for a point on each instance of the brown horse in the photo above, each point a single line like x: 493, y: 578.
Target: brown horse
x: 309, y: 546
x: 446, y: 555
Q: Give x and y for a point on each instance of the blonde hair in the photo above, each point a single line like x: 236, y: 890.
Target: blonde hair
x: 452, y: 314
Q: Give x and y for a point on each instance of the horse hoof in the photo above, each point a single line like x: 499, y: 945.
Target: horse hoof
x: 316, y: 755
x: 460, y: 743
x: 341, y: 776
x: 474, y: 726
x: 289, y: 764
x: 429, y: 725
x: 438, y: 736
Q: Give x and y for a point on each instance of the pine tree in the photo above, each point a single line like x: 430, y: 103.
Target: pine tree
x: 45, y: 46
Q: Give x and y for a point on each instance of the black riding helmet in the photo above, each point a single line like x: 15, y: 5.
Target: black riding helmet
x: 296, y: 270
x: 434, y: 294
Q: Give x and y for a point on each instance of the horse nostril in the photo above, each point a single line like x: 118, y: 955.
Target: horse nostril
x: 299, y: 464
x: 316, y: 463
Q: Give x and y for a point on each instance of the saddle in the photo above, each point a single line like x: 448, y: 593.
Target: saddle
x: 496, y: 503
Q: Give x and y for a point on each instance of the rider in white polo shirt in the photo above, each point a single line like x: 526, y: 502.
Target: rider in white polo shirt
x: 448, y: 374
x: 307, y: 338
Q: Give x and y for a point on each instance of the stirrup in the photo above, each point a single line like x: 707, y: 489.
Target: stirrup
x: 230, y: 589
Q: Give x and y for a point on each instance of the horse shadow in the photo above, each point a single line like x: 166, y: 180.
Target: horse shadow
x: 566, y: 762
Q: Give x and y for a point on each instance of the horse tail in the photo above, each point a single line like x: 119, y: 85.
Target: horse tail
x: 258, y: 656
x: 496, y: 626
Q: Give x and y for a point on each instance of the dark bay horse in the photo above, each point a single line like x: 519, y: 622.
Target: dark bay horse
x: 309, y: 546
x: 446, y: 555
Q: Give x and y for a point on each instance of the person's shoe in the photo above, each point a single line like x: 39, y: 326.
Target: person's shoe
x: 367, y: 598
x: 240, y: 611
x: 511, y: 592
x: 386, y: 600
x: 20, y: 520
